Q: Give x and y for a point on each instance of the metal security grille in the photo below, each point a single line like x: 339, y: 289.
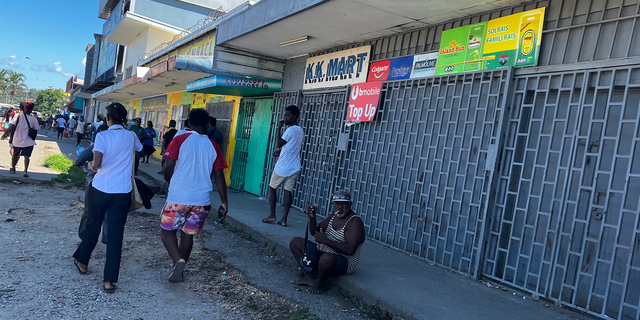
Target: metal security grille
x: 565, y: 223
x: 241, y: 151
x: 321, y: 117
x: 280, y: 101
x: 574, y: 31
x: 420, y: 173
x: 222, y: 111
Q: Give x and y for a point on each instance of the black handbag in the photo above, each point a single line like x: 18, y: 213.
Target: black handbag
x: 33, y: 133
x: 311, y: 254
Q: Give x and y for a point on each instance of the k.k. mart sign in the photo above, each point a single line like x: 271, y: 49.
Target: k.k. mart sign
x: 338, y: 68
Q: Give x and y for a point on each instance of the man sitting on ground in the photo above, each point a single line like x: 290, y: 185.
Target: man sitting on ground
x: 339, y: 243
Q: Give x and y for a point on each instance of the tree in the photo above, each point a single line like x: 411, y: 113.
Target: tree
x: 50, y: 101
x: 14, y: 83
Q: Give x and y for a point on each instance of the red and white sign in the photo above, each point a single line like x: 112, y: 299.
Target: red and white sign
x: 363, y: 103
x: 379, y: 71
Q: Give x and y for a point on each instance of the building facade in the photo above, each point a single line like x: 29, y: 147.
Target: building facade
x: 529, y: 176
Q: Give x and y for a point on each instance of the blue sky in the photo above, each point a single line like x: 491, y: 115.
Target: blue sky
x: 54, y: 34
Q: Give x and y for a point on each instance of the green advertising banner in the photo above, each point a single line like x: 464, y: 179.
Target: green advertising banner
x: 508, y: 41
x: 461, y: 49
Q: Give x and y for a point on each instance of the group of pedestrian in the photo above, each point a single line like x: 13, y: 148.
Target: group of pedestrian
x: 190, y: 159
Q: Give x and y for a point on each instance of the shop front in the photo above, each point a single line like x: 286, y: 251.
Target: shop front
x: 249, y: 134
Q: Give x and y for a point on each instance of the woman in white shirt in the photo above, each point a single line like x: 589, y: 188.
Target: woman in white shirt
x: 109, y: 195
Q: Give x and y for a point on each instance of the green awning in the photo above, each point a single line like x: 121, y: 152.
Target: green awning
x: 235, y: 86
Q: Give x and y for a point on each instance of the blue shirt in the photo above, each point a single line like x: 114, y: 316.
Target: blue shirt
x: 151, y: 133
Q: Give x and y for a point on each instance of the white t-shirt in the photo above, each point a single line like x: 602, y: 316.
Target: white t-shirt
x: 72, y: 123
x: 80, y: 127
x: 21, y: 137
x: 289, y: 160
x: 196, y: 156
x: 61, y: 122
x: 116, y: 145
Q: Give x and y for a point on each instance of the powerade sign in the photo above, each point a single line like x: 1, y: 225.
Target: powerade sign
x: 337, y: 69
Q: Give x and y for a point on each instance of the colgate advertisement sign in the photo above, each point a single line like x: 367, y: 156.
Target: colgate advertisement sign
x: 379, y: 71
x: 363, y: 102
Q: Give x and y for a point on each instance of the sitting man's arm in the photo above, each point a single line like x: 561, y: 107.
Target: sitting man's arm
x: 353, y: 234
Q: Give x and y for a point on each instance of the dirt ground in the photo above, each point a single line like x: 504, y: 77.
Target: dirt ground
x: 39, y: 281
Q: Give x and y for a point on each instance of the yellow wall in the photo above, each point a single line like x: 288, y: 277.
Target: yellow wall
x: 195, y: 101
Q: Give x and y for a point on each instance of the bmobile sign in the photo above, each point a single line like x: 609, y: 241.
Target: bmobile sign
x: 363, y: 102
x: 337, y: 69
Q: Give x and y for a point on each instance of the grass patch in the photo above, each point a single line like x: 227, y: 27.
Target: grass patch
x: 69, y: 175
x: 247, y: 236
x: 58, y: 162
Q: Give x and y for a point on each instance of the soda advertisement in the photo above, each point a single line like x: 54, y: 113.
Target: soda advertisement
x: 513, y: 40
x: 461, y: 49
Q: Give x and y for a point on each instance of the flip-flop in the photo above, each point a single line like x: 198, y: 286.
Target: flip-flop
x: 25, y: 175
x: 12, y: 170
x: 265, y: 220
x: 284, y: 225
x: 111, y: 290
x: 177, y: 273
x: 77, y: 266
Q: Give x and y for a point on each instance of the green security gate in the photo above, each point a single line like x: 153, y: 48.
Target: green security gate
x: 251, y: 145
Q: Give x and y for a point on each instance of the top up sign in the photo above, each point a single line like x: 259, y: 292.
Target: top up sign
x: 337, y: 69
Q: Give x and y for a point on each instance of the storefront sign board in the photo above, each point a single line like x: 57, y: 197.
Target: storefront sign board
x: 461, y: 49
x: 337, y: 69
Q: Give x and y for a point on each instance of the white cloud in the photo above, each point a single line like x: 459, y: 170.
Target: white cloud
x: 84, y: 61
x: 56, y: 67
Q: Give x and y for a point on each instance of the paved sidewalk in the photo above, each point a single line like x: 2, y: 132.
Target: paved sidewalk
x: 402, y: 285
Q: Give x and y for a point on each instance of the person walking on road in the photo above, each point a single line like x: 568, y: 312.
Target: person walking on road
x: 80, y: 130
x: 110, y: 193
x: 191, y: 158
x: 62, y: 123
x: 22, y: 141
x: 95, y: 125
x: 287, y: 167
x: 72, y: 126
x: 137, y: 128
x: 166, y: 139
x: 148, y: 142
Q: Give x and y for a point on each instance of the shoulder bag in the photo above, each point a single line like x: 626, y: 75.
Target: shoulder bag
x: 33, y: 133
x: 310, y: 256
x: 136, y: 199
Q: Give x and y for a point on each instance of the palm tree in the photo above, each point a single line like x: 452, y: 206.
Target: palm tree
x: 14, y: 83
x: 3, y: 79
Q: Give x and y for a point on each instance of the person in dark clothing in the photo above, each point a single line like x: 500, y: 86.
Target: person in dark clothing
x: 110, y: 194
x: 213, y: 133
x: 137, y: 128
x: 148, y: 142
x: 166, y: 139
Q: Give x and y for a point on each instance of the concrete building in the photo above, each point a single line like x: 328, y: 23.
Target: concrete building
x: 522, y: 172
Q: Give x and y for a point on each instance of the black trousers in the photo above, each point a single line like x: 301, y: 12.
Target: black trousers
x: 115, y: 207
x: 135, y: 169
x: 80, y: 136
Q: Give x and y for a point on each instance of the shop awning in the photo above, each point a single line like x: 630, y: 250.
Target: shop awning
x: 70, y: 105
x: 235, y: 86
x: 164, y: 77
